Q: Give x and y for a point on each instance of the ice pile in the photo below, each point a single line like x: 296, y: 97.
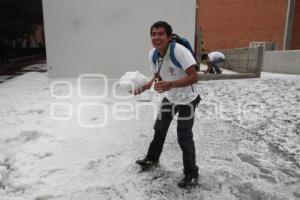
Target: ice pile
x: 133, y: 80
x: 203, y: 66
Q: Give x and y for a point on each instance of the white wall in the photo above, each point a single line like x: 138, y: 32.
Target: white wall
x: 108, y: 36
x: 286, y: 62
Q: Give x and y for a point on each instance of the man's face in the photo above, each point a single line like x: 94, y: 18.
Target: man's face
x: 160, y: 39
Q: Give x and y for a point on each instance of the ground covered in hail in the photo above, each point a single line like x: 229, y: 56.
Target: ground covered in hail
x: 59, y: 141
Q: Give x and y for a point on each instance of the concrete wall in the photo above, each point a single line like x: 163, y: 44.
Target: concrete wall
x: 287, y: 62
x: 244, y: 60
x: 108, y: 36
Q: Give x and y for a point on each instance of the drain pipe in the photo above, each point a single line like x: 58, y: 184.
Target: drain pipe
x: 289, y: 22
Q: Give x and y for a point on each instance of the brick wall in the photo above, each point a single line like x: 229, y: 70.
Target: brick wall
x: 296, y: 28
x: 236, y: 23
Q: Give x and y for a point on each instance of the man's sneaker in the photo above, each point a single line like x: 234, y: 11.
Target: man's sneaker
x: 188, y: 181
x: 146, y: 163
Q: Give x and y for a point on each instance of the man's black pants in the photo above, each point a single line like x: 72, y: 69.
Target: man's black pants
x: 184, y: 133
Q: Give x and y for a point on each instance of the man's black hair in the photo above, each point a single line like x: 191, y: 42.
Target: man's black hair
x: 204, y: 56
x: 163, y: 24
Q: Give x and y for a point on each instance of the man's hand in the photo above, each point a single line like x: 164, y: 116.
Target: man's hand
x: 162, y: 86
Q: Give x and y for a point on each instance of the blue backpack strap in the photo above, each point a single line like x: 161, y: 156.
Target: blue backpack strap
x: 155, y: 56
x: 187, y: 45
x: 172, y: 55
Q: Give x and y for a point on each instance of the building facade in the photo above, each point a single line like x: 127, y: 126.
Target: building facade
x: 295, y: 44
x: 228, y: 24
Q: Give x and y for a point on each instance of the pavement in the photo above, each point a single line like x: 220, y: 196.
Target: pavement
x: 19, y: 66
